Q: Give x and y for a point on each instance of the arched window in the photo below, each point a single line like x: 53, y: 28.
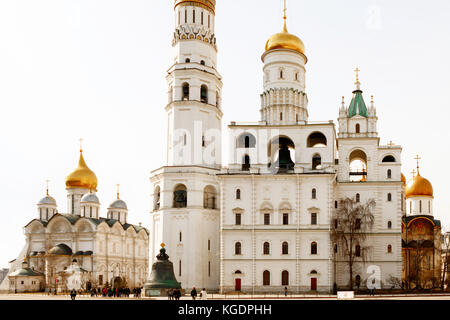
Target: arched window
x: 185, y: 91
x: 358, y: 197
x: 204, y: 94
x: 317, y: 140
x: 314, y: 248
x: 187, y: 60
x: 238, y: 194
x: 314, y: 194
x: 266, y: 278
x: 202, y: 62
x: 335, y: 204
x: 420, y: 206
x: 266, y: 248
x: 185, y: 16
x: 285, y: 248
x: 281, y: 74
x: 389, y: 197
x: 238, y: 248
x: 281, y: 116
x: 285, y: 278
x: 157, y: 198
x: 429, y: 206
x: 246, y: 163
x: 180, y: 196
x: 247, y: 142
x: 316, y: 161
x: 389, y: 159
x: 180, y: 236
x: 357, y: 128
x: 209, y: 197
x: 193, y: 16
x: 389, y: 174
x: 389, y: 224
x: 358, y: 250
x: 202, y: 17
x: 389, y: 249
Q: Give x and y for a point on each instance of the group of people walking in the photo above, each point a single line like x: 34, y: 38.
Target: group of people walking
x: 203, y: 294
x: 174, y: 294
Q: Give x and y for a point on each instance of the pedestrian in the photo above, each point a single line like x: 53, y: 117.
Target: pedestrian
x: 204, y: 294
x: 170, y: 294
x: 193, y: 293
x: 73, y: 294
x: 177, y: 294
x: 285, y: 291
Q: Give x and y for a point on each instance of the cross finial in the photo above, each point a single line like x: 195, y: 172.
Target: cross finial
x: 284, y: 10
x: 417, y: 158
x: 81, y: 144
x: 357, y: 74
x: 390, y: 144
x: 47, y: 181
x: 118, y: 189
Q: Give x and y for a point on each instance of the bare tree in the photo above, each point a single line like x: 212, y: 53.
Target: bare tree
x: 395, y: 282
x: 420, y: 253
x: 352, y: 220
x: 446, y: 245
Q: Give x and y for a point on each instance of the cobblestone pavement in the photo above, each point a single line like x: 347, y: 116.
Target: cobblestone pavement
x: 234, y: 297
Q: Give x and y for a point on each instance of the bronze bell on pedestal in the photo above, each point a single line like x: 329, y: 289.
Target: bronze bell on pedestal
x: 284, y: 162
x: 162, y: 276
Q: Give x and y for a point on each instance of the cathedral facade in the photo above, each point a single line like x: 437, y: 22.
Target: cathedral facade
x: 97, y: 251
x: 264, y: 221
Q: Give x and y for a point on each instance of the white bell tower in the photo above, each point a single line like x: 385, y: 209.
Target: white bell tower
x: 185, y: 193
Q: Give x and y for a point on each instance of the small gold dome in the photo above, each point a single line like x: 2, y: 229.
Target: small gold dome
x: 82, y: 177
x: 285, y: 40
x: 419, y: 186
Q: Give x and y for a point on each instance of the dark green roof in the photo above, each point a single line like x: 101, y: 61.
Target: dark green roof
x: 27, y: 272
x: 357, y: 106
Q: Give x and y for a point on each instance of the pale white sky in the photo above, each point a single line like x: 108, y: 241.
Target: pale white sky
x: 96, y: 69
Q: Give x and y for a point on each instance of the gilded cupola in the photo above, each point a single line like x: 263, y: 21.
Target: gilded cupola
x: 82, y: 177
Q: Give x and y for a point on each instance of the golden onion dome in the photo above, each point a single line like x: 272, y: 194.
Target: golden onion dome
x: 419, y: 187
x: 82, y: 177
x: 207, y: 4
x: 285, y: 40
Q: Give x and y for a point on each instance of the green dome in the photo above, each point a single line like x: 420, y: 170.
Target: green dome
x: 357, y: 106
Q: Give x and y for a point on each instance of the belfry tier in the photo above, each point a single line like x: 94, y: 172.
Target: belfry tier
x: 284, y: 101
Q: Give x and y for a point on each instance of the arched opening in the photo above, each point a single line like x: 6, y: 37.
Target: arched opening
x: 313, y: 194
x: 317, y: 140
x: 185, y: 91
x: 157, y: 198
x: 389, y: 197
x: 238, y: 248
x: 246, y: 163
x: 285, y: 278
x: 246, y: 140
x: 314, y: 248
x: 281, y: 116
x: 283, y: 150
x: 266, y: 248
x: 266, y: 278
x: 187, y: 60
x: 389, y: 174
x: 357, y: 128
x: 358, y: 280
x: 238, y: 194
x: 389, y: 159
x: 389, y: 224
x: 202, y: 62
x: 358, y: 197
x: 358, y: 166
x: 389, y: 249
x: 209, y: 197
x: 316, y: 162
x: 180, y: 196
x: 204, y: 94
x: 285, y: 248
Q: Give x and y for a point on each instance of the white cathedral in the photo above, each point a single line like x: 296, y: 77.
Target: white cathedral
x: 263, y: 222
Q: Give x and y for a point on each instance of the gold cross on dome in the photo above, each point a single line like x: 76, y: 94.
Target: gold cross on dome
x: 47, y: 181
x: 390, y: 144
x: 284, y: 10
x: 357, y: 74
x: 417, y: 158
x: 118, y: 186
x: 81, y: 144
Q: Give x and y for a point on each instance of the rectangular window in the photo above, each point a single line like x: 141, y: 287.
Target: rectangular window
x: 267, y: 219
x: 209, y: 245
x: 209, y: 21
x: 179, y: 268
x: 357, y: 224
x: 313, y: 218
x: 238, y: 219
x: 285, y: 218
x: 100, y: 280
x: 209, y: 268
